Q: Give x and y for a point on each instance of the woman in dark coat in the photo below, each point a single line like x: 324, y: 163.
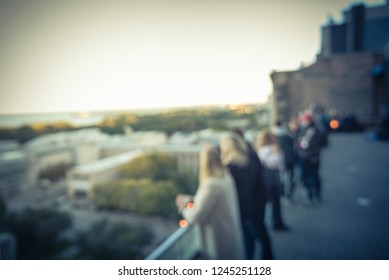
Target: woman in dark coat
x: 246, y: 171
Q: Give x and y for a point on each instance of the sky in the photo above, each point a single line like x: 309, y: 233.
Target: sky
x: 73, y: 56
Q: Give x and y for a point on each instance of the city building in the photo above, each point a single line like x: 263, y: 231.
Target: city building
x: 13, y: 172
x: 363, y: 29
x: 81, y: 179
x: 187, y: 156
x: 130, y: 141
x: 351, y: 73
x: 64, y: 148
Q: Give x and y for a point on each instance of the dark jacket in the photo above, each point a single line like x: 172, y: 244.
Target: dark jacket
x: 310, y: 142
x: 250, y: 187
x: 286, y: 143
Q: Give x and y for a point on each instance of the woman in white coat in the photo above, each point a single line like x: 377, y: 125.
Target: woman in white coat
x: 215, y: 207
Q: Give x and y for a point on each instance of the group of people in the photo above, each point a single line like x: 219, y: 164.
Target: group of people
x: 238, y: 179
x: 301, y: 143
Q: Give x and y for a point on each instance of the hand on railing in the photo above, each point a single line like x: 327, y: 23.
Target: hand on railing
x: 183, y: 223
x: 184, y: 201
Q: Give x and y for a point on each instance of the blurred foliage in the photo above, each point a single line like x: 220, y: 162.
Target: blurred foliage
x: 3, y: 207
x: 106, y: 240
x: 38, y: 232
x: 54, y: 172
x: 185, y: 120
x: 28, y: 132
x: 160, y: 166
x: 155, y: 166
x: 142, y: 196
x: 148, y: 186
x: 186, y: 183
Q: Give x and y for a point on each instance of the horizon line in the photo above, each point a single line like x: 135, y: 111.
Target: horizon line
x: 150, y: 109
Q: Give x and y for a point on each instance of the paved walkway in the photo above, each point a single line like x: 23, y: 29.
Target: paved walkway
x: 353, y: 220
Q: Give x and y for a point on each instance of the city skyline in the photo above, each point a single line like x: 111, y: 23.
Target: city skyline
x: 123, y: 55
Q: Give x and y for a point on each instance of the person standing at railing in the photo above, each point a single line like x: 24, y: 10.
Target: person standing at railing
x: 215, y: 207
x: 272, y: 158
x: 286, y: 143
x: 245, y: 167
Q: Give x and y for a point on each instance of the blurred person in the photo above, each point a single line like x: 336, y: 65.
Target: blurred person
x: 246, y: 170
x: 382, y: 126
x: 294, y: 130
x: 215, y: 206
x: 310, y: 141
x: 320, y: 119
x: 272, y: 158
x: 351, y: 123
x: 285, y: 141
x: 322, y: 123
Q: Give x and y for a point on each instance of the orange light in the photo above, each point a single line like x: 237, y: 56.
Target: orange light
x: 190, y: 205
x: 334, y: 124
x: 183, y: 223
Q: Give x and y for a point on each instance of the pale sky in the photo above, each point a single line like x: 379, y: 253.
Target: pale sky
x: 66, y: 56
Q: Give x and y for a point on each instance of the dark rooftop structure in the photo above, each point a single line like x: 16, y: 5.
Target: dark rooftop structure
x: 351, y: 73
x: 363, y: 29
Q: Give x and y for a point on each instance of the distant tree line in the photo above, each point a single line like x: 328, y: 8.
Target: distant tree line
x: 172, y: 121
x: 27, y: 132
x: 182, y: 120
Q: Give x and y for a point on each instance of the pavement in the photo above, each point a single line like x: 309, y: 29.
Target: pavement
x: 352, y: 222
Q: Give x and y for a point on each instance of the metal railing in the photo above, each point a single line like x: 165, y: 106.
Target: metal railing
x: 183, y: 244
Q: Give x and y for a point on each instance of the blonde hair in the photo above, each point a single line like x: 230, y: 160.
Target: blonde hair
x: 266, y: 138
x: 233, y: 150
x: 210, y: 164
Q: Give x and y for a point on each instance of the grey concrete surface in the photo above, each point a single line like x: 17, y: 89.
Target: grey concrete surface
x: 352, y: 221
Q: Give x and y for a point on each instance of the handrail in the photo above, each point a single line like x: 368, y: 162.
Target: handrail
x: 183, y: 244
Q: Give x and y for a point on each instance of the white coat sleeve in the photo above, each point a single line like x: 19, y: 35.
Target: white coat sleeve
x: 204, y: 201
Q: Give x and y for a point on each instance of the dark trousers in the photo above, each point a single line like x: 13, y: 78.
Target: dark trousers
x: 310, y: 177
x: 289, y: 179
x: 252, y: 232
x: 275, y: 200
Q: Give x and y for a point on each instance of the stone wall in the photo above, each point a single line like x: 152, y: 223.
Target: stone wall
x: 341, y: 82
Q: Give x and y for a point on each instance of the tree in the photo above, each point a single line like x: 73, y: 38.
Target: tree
x: 25, y: 133
x: 186, y: 182
x: 155, y: 166
x: 3, y: 207
x: 54, y: 172
x: 142, y: 196
x: 106, y: 240
x: 159, y: 166
x: 38, y: 232
x: 148, y: 186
